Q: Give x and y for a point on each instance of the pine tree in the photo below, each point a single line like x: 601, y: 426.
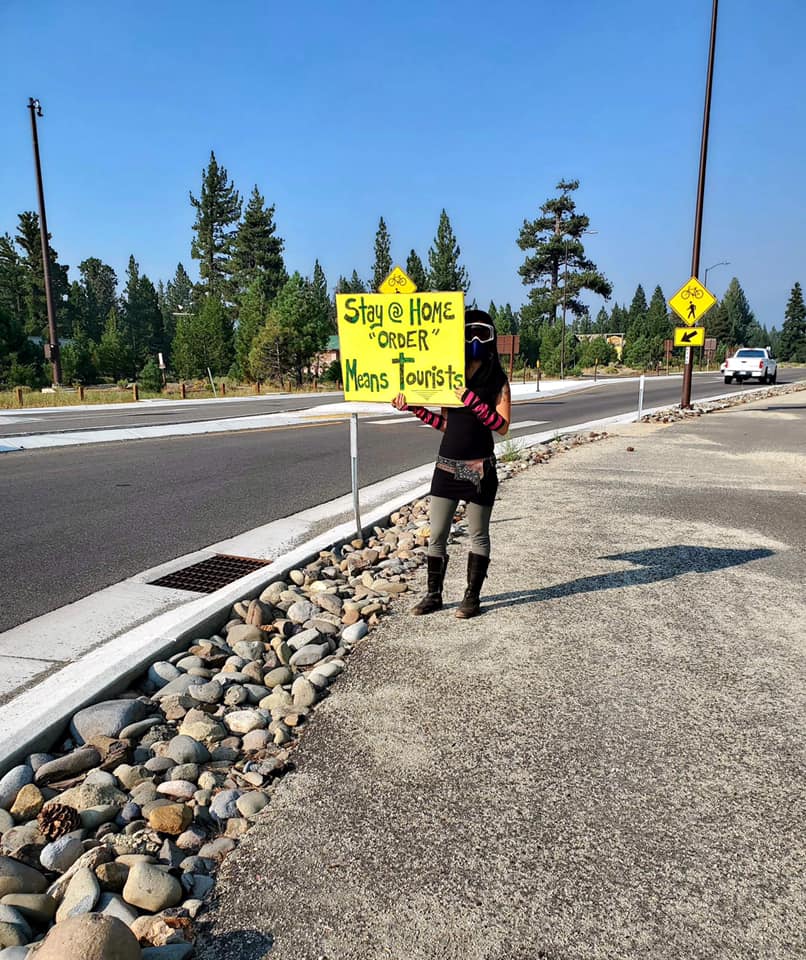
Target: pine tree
x: 559, y: 252
x: 383, y: 255
x: 507, y: 320
x: 112, y: 356
x: 318, y: 285
x: 658, y: 322
x: 141, y: 325
x: 298, y: 328
x: 257, y: 251
x: 353, y: 284
x: 178, y: 299
x: 636, y: 320
x: 36, y: 310
x: 218, y: 209
x: 792, y: 343
x: 203, y: 340
x: 20, y: 361
x: 99, y: 295
x: 602, y: 322
x: 732, y: 321
x: 251, y: 318
x: 417, y: 272
x: 12, y: 280
x: 445, y: 273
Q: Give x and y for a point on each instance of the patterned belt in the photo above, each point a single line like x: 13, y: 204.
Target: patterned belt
x: 472, y: 470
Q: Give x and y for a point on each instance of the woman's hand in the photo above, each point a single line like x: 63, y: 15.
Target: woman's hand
x: 460, y: 393
x: 399, y: 403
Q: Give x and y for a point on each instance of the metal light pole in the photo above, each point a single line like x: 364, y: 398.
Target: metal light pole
x: 685, y: 400
x: 53, y: 353
x: 722, y: 263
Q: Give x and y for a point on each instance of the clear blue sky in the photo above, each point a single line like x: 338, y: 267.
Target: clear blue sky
x: 345, y: 111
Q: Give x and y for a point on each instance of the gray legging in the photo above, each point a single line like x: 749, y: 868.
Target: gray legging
x: 478, y: 519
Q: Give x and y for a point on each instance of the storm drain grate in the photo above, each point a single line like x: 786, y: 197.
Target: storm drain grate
x: 211, y: 574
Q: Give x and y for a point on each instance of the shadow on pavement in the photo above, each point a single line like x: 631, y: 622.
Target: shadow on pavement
x: 658, y: 563
x: 243, y: 944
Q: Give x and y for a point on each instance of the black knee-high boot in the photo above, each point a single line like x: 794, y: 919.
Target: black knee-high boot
x: 476, y: 573
x: 432, y: 601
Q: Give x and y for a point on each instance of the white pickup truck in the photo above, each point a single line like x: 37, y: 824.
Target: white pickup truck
x: 751, y: 362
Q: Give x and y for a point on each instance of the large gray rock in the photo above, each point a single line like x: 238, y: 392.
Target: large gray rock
x: 310, y: 654
x: 16, y: 953
x: 9, y: 914
x: 180, y: 685
x: 244, y: 631
x: 15, y: 877
x: 300, y: 611
x: 242, y: 721
x: 225, y: 805
x: 171, y: 951
x: 111, y: 905
x: 299, y: 640
x: 13, y: 782
x: 81, y: 895
x: 250, y: 649
x: 61, y: 854
x: 355, y: 631
x: 37, y: 908
x: 64, y: 768
x: 108, y: 718
x: 162, y: 672
x: 150, y: 888
x: 91, y: 936
x: 184, y: 749
x: 11, y: 935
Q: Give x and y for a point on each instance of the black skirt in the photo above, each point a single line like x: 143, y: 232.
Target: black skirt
x: 445, y: 484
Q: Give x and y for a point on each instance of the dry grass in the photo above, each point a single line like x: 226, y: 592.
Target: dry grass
x: 69, y: 397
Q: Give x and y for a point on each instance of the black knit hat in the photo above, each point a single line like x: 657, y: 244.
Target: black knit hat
x: 478, y: 316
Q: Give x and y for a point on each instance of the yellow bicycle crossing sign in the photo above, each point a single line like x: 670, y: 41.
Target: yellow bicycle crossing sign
x: 398, y: 281
x: 692, y: 301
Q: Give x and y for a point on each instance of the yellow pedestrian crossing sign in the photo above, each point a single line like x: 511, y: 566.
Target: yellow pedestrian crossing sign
x: 398, y: 281
x: 692, y: 301
x: 689, y: 336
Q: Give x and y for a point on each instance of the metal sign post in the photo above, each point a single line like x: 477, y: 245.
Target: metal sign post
x: 641, y: 383
x: 354, y: 473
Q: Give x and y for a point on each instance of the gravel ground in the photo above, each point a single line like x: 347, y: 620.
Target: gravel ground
x: 607, y: 764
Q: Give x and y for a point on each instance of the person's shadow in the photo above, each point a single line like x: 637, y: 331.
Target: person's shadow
x: 653, y: 565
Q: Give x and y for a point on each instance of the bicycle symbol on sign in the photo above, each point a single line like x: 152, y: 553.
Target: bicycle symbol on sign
x: 695, y: 292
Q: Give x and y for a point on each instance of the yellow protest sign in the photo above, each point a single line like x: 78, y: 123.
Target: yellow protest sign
x: 398, y: 281
x: 407, y: 343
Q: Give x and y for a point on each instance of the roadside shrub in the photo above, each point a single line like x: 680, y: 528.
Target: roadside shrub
x: 150, y: 378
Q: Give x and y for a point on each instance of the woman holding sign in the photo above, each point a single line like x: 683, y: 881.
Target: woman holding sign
x: 465, y: 468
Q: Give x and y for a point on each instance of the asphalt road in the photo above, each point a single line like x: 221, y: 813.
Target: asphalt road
x: 67, y: 419
x: 76, y: 519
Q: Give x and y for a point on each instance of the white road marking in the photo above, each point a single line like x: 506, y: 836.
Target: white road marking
x: 517, y: 424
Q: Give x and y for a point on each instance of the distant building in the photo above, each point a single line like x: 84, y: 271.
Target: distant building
x: 616, y: 340
x: 323, y: 360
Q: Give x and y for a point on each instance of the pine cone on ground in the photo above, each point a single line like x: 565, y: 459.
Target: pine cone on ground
x: 57, y: 819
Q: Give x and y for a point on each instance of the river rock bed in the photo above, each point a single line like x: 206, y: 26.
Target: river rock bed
x: 109, y: 844
x: 676, y: 414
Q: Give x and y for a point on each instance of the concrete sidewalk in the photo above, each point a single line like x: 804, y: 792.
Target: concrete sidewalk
x: 609, y: 763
